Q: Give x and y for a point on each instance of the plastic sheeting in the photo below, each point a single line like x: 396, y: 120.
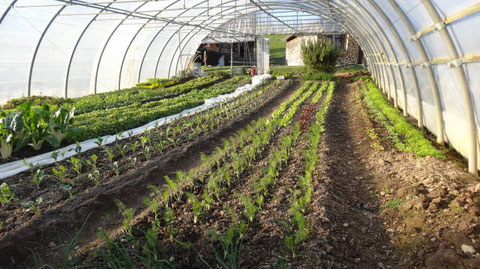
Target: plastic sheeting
x: 426, y: 48
x: 13, y: 168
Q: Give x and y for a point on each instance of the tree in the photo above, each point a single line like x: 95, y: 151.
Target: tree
x: 320, y: 55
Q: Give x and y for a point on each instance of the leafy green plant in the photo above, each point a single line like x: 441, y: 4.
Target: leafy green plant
x: 77, y: 164
x: 110, y: 154
x: 61, y: 173
x: 197, y: 207
x: 99, y: 142
x: 250, y: 207
x: 11, y: 126
x: 6, y: 195
x: 32, y: 206
x: 404, y: 135
x: 115, y: 168
x: 394, y: 203
x: 78, y: 147
x: 300, y: 235
x: 320, y: 55
x: 37, y: 126
x: 67, y: 188
x: 128, y: 216
x: 61, y: 123
x: 230, y: 245
x: 54, y: 155
x: 93, y: 161
x: 94, y: 176
x: 38, y: 176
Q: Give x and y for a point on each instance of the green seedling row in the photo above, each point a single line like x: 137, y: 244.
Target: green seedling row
x: 403, y: 134
x: 301, y: 199
x: 216, y: 174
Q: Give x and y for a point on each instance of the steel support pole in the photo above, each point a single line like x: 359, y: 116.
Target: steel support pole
x: 30, y: 73
x: 76, y: 45
x: 431, y: 77
x: 462, y: 79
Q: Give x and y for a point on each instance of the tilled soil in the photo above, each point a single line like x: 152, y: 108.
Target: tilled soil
x: 372, y: 207
x: 45, y: 235
x: 377, y: 208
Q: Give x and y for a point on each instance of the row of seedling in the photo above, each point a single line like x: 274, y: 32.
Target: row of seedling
x: 301, y: 199
x: 152, y: 142
x: 202, y: 186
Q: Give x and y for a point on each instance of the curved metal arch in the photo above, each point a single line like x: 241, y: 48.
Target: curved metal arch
x: 77, y: 43
x: 377, y: 45
x: 380, y: 70
x: 133, y: 39
x: 386, y: 47
x: 170, y: 38
x: 436, y: 95
x: 289, y: 6
x: 30, y: 73
x: 106, y: 44
x: 462, y: 79
x: 7, y: 10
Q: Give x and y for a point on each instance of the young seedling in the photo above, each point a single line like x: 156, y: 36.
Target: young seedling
x: 207, y: 200
x: 67, y: 188
x: 6, y: 195
x: 99, y: 142
x: 61, y: 173
x: 94, y: 176
x: 77, y: 165
x: 78, y: 148
x: 110, y: 154
x: 128, y: 215
x: 196, y: 207
x: 121, y: 149
x: 133, y: 161
x: 134, y: 146
x: 250, y: 208
x: 93, y: 161
x: 115, y: 168
x: 146, y: 152
x: 54, y: 155
x: 38, y: 176
x: 32, y: 206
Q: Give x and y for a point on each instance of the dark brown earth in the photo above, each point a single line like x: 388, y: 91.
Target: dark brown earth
x: 46, y: 235
x: 387, y: 209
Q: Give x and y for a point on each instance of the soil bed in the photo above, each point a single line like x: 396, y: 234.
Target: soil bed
x: 58, y: 225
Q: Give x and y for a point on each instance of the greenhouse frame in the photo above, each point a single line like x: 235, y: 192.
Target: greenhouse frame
x: 423, y: 56
x: 423, y: 53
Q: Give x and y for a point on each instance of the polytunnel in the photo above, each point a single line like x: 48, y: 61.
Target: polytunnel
x: 424, y: 54
x: 231, y: 134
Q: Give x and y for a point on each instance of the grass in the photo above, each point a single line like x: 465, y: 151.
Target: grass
x: 277, y: 49
x: 394, y: 203
x: 404, y: 135
x: 287, y: 71
x: 353, y: 68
